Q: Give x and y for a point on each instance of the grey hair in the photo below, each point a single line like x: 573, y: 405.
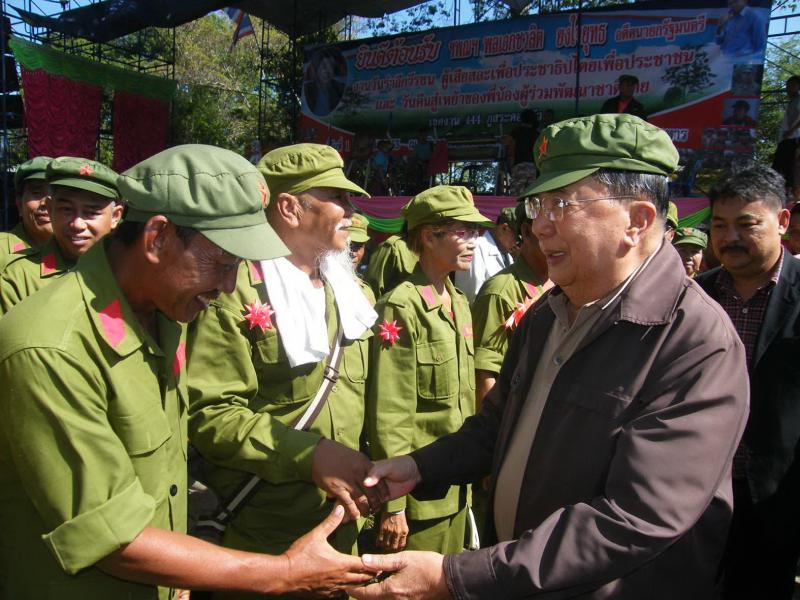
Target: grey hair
x: 650, y: 185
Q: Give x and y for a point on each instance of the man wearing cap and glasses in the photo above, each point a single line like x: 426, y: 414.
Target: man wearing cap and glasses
x: 30, y: 190
x: 610, y: 432
x: 84, y: 206
x: 292, y: 336
x: 93, y: 413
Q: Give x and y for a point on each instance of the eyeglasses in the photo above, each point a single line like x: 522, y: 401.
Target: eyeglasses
x: 554, y: 209
x: 462, y: 233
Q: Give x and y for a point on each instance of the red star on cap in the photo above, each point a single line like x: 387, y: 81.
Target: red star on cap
x: 543, y: 147
x: 86, y: 170
x: 389, y: 332
x: 259, y: 315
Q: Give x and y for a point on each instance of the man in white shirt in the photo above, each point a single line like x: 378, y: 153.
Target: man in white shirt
x: 494, y: 250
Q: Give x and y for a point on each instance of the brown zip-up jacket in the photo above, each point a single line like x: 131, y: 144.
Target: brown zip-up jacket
x: 627, y: 489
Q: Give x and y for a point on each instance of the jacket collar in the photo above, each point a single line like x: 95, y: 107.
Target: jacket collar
x: 53, y: 261
x: 426, y: 290
x: 783, y: 298
x: 651, y: 296
x: 113, y: 318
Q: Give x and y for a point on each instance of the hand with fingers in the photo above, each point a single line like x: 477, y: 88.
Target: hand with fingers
x: 392, y: 532
x: 418, y: 575
x: 316, y: 570
x: 398, y: 475
x: 340, y: 472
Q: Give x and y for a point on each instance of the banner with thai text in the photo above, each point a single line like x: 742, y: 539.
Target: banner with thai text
x: 699, y: 67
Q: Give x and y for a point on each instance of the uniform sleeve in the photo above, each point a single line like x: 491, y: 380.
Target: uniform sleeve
x: 392, y: 396
x: 381, y: 263
x: 491, y: 337
x: 10, y: 292
x: 71, y: 463
x: 671, y: 457
x: 222, y: 426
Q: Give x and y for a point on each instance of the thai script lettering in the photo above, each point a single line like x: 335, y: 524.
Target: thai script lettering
x: 395, y: 53
x: 678, y: 135
x: 667, y: 29
x: 468, y: 48
x: 591, y: 34
x: 517, y: 41
x: 566, y: 66
x: 393, y: 82
x: 524, y: 96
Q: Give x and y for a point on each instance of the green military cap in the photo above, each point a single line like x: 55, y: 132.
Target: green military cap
x: 295, y: 169
x: 32, y: 169
x: 672, y: 214
x: 685, y: 236
x: 358, y: 228
x: 83, y: 174
x: 212, y: 190
x: 570, y: 150
x: 509, y: 215
x: 442, y: 202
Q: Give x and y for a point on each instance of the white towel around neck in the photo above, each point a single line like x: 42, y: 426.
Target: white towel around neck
x: 300, y: 308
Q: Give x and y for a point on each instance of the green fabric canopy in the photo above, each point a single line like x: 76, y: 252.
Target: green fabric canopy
x: 38, y: 57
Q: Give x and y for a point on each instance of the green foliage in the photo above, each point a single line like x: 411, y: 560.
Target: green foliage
x: 783, y: 60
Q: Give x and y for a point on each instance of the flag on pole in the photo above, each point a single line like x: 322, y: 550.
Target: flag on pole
x: 243, y: 25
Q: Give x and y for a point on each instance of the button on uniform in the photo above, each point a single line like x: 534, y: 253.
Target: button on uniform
x: 173, y: 490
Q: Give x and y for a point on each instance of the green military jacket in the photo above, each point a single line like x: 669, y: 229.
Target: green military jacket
x: 423, y: 383
x: 14, y: 240
x: 391, y: 263
x: 244, y: 398
x: 92, y: 436
x: 495, y: 304
x: 30, y: 270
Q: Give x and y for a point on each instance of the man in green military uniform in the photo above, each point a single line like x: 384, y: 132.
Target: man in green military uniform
x: 93, y: 413
x: 257, y: 357
x: 84, y: 206
x: 390, y: 265
x: 423, y: 374
x: 502, y: 301
x: 359, y: 236
x: 690, y: 243
x: 30, y: 190
x: 672, y: 221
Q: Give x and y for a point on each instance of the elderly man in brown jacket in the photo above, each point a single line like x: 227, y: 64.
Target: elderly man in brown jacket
x: 610, y: 432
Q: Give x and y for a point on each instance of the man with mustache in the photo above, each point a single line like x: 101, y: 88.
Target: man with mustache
x: 84, y: 206
x: 30, y: 189
x: 258, y: 359
x: 758, y: 285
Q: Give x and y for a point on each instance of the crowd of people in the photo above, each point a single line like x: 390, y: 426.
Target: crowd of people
x: 598, y: 413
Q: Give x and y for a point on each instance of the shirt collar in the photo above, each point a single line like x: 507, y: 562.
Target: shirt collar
x: 725, y: 280
x: 112, y: 316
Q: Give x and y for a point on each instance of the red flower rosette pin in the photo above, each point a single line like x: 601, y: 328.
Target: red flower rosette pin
x: 389, y: 332
x: 259, y: 315
x: 519, y: 311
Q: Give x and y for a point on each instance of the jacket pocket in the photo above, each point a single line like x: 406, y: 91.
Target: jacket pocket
x: 468, y: 342
x: 437, y: 370
x: 607, y: 403
x: 356, y: 359
x: 142, y: 433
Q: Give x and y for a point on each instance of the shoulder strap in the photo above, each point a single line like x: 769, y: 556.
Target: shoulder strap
x: 330, y: 375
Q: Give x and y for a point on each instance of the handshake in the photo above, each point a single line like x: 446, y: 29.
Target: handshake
x: 361, y: 487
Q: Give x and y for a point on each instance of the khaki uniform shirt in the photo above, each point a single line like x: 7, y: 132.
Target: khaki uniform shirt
x: 14, y: 240
x: 391, y: 263
x: 423, y: 385
x: 495, y: 303
x: 29, y: 271
x: 92, y: 437
x: 245, y: 397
